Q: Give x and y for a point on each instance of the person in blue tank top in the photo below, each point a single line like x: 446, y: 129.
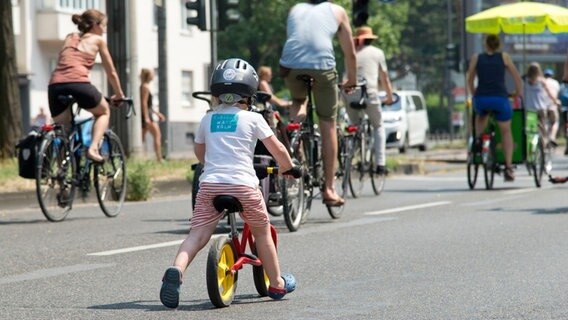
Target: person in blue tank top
x: 310, y: 29
x: 491, y: 96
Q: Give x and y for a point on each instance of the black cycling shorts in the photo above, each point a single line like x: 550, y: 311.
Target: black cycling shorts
x: 87, y: 96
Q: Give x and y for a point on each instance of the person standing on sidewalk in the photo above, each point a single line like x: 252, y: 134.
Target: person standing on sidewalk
x: 150, y: 117
x: 491, y: 95
x: 310, y: 29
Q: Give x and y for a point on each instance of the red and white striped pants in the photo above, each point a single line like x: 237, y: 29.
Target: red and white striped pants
x: 254, y: 209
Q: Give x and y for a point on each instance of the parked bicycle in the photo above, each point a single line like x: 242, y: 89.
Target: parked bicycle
x: 227, y: 254
x: 62, y: 166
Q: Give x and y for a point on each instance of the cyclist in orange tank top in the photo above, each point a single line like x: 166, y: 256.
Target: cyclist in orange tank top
x: 71, y: 76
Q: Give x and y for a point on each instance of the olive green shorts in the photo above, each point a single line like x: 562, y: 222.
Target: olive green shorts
x: 325, y: 90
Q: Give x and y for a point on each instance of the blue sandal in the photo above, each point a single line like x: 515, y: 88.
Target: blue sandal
x: 289, y: 286
x: 169, y: 293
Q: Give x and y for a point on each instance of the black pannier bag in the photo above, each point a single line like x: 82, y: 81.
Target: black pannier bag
x: 27, y: 150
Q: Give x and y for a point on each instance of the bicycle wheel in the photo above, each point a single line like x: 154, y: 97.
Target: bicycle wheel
x: 54, y: 177
x: 359, y: 168
x: 472, y: 170
x: 293, y: 202
x: 342, y: 174
x: 221, y: 282
x: 261, y: 281
x: 472, y: 166
x: 377, y: 180
x: 110, y: 176
x: 489, y: 166
x: 539, y: 164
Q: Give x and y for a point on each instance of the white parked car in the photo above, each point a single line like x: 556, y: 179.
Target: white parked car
x: 406, y: 121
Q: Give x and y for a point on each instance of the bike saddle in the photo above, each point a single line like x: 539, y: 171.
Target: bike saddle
x: 230, y: 203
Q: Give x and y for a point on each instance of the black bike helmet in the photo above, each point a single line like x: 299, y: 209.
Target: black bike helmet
x: 234, y: 76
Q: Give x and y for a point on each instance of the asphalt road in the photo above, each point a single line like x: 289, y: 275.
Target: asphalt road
x: 427, y: 248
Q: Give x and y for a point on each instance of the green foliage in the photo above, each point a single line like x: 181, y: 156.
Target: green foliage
x: 139, y: 185
x: 8, y: 169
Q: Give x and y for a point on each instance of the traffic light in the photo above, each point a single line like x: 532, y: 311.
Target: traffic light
x: 360, y: 12
x: 228, y: 11
x: 196, y: 13
x: 453, y: 57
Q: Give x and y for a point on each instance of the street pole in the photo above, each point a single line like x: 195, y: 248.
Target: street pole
x: 213, y: 34
x: 117, y: 38
x: 163, y: 74
x: 134, y: 91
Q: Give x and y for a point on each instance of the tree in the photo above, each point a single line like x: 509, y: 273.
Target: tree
x: 10, y: 113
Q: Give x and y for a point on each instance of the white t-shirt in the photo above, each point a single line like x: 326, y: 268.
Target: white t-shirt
x: 230, y: 135
x: 369, y: 60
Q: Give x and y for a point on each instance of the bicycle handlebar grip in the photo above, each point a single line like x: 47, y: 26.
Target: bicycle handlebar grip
x: 295, y: 172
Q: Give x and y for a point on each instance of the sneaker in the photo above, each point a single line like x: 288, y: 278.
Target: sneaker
x: 552, y: 143
x: 169, y: 293
x: 289, y: 286
x: 509, y: 175
x: 382, y: 170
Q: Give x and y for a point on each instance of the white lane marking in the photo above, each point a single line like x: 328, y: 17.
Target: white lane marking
x: 46, y: 273
x: 407, y: 208
x: 138, y: 248
x: 146, y: 247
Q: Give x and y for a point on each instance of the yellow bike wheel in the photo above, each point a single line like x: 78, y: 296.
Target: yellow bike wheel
x: 221, y: 282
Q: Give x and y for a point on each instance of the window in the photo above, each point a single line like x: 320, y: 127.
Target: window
x: 186, y: 89
x: 418, y: 103
x: 71, y: 5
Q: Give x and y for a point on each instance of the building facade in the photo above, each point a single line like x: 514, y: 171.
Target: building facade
x: 40, y: 27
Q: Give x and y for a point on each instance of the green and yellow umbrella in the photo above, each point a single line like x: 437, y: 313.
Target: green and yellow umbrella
x: 519, y: 18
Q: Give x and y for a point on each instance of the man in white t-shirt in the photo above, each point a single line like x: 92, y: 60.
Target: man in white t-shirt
x: 372, y: 67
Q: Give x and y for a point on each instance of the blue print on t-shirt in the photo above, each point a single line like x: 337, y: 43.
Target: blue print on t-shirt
x: 224, y: 122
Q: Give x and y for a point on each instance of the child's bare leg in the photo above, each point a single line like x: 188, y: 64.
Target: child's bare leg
x: 268, y: 255
x: 195, y: 241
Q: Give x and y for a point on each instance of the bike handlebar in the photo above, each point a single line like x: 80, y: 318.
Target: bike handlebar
x: 128, y: 101
x: 262, y: 171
